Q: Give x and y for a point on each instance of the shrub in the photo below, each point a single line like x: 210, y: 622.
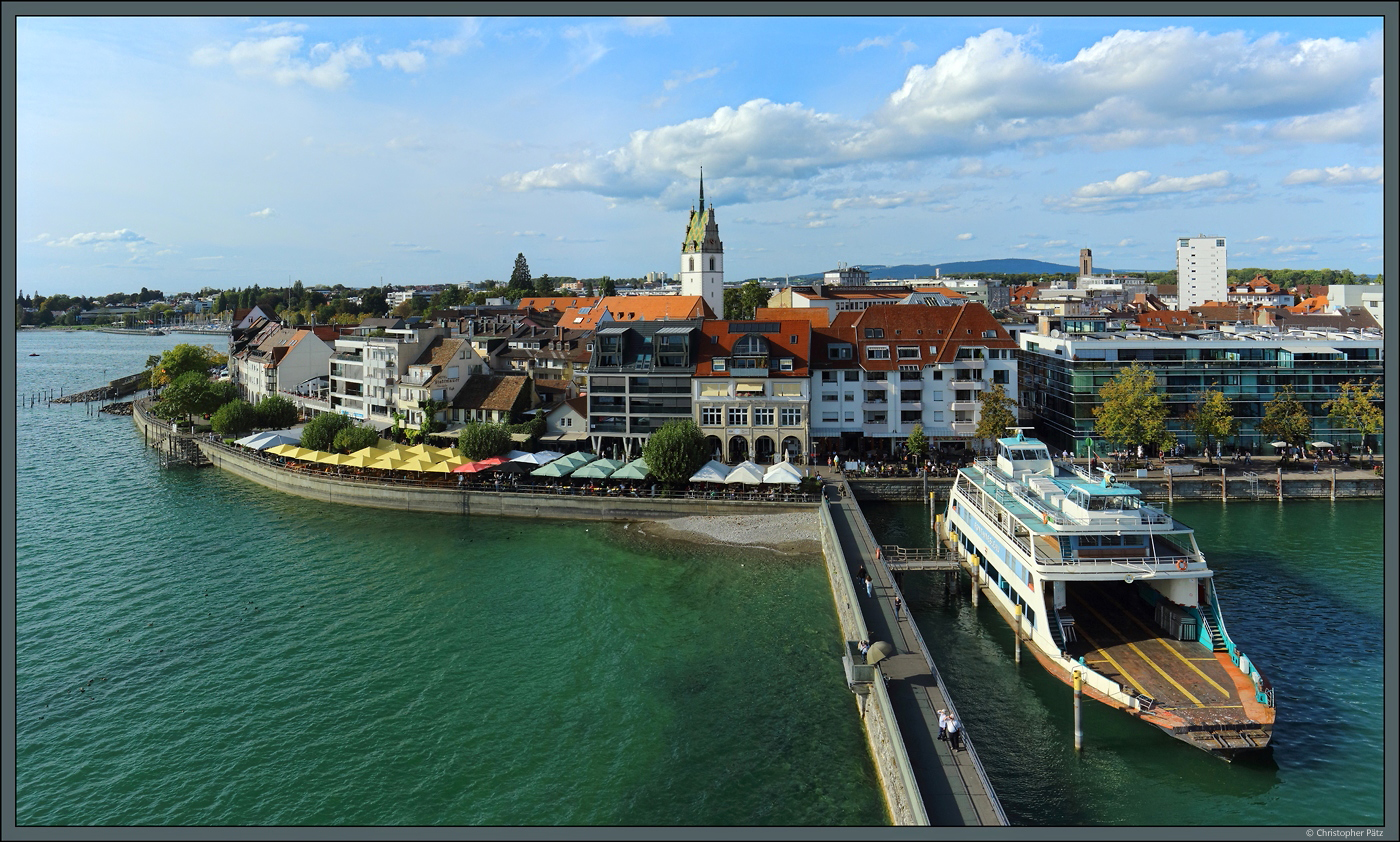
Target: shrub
x: 276, y: 411
x: 235, y: 418
x: 352, y: 439
x: 320, y: 433
x: 480, y: 440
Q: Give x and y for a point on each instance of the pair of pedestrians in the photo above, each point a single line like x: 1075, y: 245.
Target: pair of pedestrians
x: 950, y: 730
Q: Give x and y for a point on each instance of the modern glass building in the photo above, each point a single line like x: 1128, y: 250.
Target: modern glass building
x: 1061, y: 375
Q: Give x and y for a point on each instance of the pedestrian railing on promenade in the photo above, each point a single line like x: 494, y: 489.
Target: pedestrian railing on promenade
x: 448, y: 482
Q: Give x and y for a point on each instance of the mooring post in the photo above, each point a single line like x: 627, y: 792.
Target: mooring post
x: 1170, y: 497
x: 1018, y: 632
x: 1334, y: 485
x: 976, y: 574
x: 1078, y: 726
x: 1222, y: 485
x: 1280, y: 483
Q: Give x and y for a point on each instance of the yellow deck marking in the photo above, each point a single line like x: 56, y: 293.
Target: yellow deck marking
x: 1116, y: 665
x: 1141, y: 654
x: 1156, y: 635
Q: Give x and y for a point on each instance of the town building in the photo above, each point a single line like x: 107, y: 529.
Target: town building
x: 1061, y: 375
x: 750, y: 390
x: 283, y: 359
x: 1200, y: 270
x: 366, y: 368
x: 1260, y: 292
x: 639, y: 378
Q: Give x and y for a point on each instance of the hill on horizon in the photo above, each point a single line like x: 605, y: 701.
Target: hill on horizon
x: 1005, y: 265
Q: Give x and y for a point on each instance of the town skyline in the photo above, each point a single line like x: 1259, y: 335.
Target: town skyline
x: 182, y: 153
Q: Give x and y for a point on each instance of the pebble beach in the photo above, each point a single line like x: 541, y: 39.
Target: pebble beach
x: 791, y: 532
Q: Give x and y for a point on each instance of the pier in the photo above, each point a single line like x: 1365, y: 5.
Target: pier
x: 926, y: 782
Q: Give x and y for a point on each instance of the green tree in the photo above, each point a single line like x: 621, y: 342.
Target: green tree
x: 1286, y: 419
x: 996, y: 415
x: 190, y: 393
x: 353, y: 438
x: 479, y: 440
x: 235, y: 418
x: 320, y: 432
x: 1212, y: 419
x: 1132, y: 411
x: 431, y: 408
x: 733, y: 303
x: 520, y: 275
x: 1358, y: 407
x: 609, y: 288
x: 374, y: 302
x: 675, y: 451
x: 544, y: 285
x: 276, y: 411
x: 185, y: 358
x: 588, y: 287
x: 917, y: 445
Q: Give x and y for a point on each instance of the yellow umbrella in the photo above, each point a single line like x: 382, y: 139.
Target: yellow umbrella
x: 385, y: 444
x: 358, y: 460
x: 282, y: 449
x: 300, y: 453
x: 421, y: 463
x: 415, y: 449
x: 388, y: 464
x: 370, y: 452
x: 334, y: 458
x: 440, y: 468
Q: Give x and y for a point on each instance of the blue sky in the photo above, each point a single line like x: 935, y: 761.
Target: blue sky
x: 188, y: 152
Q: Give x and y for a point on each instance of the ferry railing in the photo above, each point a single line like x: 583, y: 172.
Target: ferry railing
x: 1263, y: 688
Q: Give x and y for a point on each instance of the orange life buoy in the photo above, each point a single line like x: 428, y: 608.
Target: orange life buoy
x: 1181, y: 564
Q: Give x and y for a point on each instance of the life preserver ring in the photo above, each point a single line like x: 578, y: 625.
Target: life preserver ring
x: 1181, y: 564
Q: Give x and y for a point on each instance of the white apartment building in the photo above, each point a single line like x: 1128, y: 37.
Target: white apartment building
x: 1200, y: 271
x: 364, y: 371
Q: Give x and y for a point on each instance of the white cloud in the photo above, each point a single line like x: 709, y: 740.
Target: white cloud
x: 1345, y: 174
x: 123, y: 236
x: 997, y: 91
x: 881, y: 41
x: 1127, y: 189
x: 527, y: 234
x: 1124, y: 243
x: 413, y: 247
x: 1306, y: 249
x: 893, y: 200
x: 969, y: 167
x: 964, y: 236
x: 262, y: 214
x: 211, y: 257
x: 277, y: 59
x: 409, y: 61
x: 1056, y: 243
x: 410, y: 142
x: 284, y: 27
x: 466, y: 37
x: 1021, y: 246
x: 586, y: 46
x: 676, y: 81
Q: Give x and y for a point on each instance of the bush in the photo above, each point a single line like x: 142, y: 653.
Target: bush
x: 320, y: 433
x: 235, y: 418
x: 352, y: 439
x: 675, y: 451
x: 276, y: 411
x: 480, y: 440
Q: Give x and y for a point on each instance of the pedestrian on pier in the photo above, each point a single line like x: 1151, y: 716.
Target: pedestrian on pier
x: 954, y: 733
x: 869, y: 585
x: 860, y: 573
x: 898, y: 604
x: 942, y: 724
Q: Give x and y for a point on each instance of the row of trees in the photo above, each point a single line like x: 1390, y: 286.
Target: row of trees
x: 1132, y: 412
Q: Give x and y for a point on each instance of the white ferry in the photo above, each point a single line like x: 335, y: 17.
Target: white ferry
x: 1101, y: 583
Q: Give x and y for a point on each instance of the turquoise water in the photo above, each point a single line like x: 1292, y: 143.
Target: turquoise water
x: 193, y: 649
x: 1301, y: 586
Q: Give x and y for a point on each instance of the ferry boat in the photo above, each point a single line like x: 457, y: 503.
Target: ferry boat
x: 1100, y: 583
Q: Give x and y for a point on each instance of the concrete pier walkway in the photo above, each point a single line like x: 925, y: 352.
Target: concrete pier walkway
x: 953, y: 785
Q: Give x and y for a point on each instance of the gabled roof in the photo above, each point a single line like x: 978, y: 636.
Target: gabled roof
x: 558, y: 302
x: 936, y: 332
x: 628, y: 308
x: 823, y: 338
x: 818, y: 316
x: 499, y: 392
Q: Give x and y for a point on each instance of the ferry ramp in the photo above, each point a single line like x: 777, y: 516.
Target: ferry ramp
x: 953, y: 785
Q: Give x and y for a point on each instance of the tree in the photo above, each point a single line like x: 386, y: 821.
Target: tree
x: 1286, y: 419
x: 189, y: 393
x: 917, y: 445
x: 276, y: 411
x: 479, y: 440
x: 544, y: 285
x: 1212, y: 419
x: 235, y: 418
x: 184, y: 358
x: 374, y: 302
x: 351, y: 439
x: 520, y: 275
x: 609, y: 288
x: 1357, y: 407
x: 320, y: 432
x: 997, y: 414
x: 588, y: 288
x: 1132, y: 411
x: 430, y: 409
x: 675, y: 451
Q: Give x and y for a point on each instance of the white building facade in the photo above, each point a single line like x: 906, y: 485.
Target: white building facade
x: 1200, y: 271
x: 702, y: 257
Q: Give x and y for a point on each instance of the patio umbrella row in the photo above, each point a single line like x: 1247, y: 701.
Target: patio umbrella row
x: 748, y: 473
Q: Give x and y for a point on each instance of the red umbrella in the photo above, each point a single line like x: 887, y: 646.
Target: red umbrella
x: 483, y: 465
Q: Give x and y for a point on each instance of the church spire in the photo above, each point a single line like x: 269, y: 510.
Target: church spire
x: 702, y: 189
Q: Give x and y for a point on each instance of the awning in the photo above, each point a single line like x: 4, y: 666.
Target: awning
x: 748, y: 387
x: 674, y: 331
x: 610, y: 331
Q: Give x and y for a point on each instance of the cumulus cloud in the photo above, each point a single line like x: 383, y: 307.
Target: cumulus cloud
x: 278, y: 58
x: 262, y: 214
x: 1345, y: 174
x: 997, y: 91
x: 1305, y: 249
x: 1128, y: 188
x: 121, y: 236
x: 1056, y: 243
x: 964, y: 236
x: 892, y: 200
x: 409, y: 61
x: 880, y: 41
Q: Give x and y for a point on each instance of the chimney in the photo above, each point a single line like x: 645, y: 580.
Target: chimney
x: 1043, y: 326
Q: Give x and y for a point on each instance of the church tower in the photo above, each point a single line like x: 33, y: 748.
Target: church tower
x: 702, y: 256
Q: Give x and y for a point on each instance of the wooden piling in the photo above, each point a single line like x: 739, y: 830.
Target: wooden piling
x: 1223, y: 484
x: 1334, y: 485
x: 1078, y: 724
x: 1018, y: 632
x: 1280, y: 484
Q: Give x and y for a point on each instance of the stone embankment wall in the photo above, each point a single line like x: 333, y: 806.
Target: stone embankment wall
x: 329, y: 488
x: 873, y: 714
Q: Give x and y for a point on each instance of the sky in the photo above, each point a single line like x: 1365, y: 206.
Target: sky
x: 180, y: 153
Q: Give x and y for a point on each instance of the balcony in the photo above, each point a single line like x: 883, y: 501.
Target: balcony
x: 964, y: 428
x: 964, y: 406
x: 968, y: 384
x: 876, y: 405
x: 875, y: 428
x: 911, y: 406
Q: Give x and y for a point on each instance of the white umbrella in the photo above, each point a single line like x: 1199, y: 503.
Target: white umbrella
x: 1278, y: 444
x: 544, y: 457
x: 270, y: 438
x: 746, y: 473
x: 783, y: 473
x: 711, y: 472
x: 1323, y: 444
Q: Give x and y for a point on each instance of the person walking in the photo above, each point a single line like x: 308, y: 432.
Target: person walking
x: 869, y: 585
x: 954, y: 733
x: 860, y: 573
x: 897, y: 605
x: 942, y: 724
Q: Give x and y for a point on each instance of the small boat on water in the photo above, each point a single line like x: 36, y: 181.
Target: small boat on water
x: 1102, y: 584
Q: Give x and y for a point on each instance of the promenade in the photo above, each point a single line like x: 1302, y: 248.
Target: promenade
x: 953, y: 785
